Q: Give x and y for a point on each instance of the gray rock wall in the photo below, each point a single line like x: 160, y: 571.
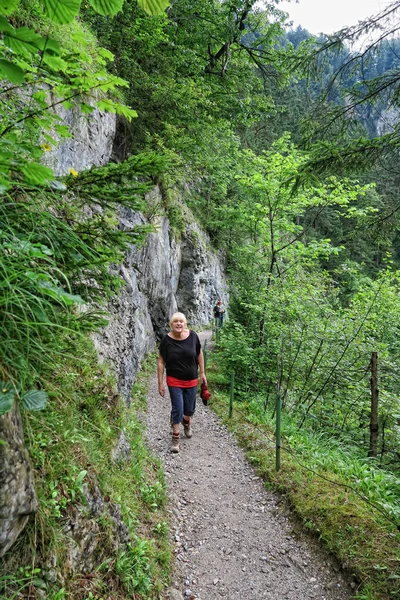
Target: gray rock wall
x: 91, y: 143
x: 18, y: 499
x: 161, y: 277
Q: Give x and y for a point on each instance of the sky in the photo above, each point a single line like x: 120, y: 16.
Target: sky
x: 327, y: 16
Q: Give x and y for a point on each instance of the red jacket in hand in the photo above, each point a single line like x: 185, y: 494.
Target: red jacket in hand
x: 205, y: 394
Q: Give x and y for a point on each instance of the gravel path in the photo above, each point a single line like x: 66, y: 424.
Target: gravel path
x: 233, y: 539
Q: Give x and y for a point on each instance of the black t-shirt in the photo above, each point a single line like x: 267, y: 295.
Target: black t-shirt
x: 180, y: 356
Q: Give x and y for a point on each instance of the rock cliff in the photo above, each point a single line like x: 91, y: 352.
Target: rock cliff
x: 161, y: 277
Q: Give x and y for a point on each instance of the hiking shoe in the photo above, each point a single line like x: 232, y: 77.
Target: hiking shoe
x: 175, y: 444
x: 187, y: 429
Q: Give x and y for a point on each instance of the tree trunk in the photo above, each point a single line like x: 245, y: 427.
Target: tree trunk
x: 373, y: 425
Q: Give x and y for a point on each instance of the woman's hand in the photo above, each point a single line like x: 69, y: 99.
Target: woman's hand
x: 161, y: 390
x: 200, y: 360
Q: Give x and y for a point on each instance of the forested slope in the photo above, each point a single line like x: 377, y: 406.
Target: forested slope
x: 213, y: 105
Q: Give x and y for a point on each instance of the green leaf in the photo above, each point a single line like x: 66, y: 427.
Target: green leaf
x: 63, y: 131
x: 19, y: 46
x: 116, y: 107
x: 7, y: 6
x: 41, y: 98
x: 80, y: 478
x: 36, y: 174
x: 48, y: 45
x: 59, y: 294
x: 61, y: 11
x: 26, y: 42
x: 86, y: 109
x: 10, y: 71
x: 106, y: 54
x: 6, y: 404
x: 154, y: 7
x: 5, y: 25
x: 7, y: 395
x: 54, y: 62
x: 25, y: 247
x: 34, y: 400
x: 37, y: 582
x: 26, y: 35
x: 107, y: 7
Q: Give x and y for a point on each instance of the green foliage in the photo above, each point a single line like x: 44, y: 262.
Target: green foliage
x: 7, y: 395
x: 194, y: 77
x: 132, y: 567
x: 26, y: 577
x: 70, y: 443
x: 123, y: 183
x: 292, y: 330
x: 56, y: 253
x: 63, y: 493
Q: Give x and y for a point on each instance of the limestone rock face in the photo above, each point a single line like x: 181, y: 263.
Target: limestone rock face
x: 387, y: 120
x: 17, y: 492
x: 201, y: 278
x: 91, y: 143
x: 161, y: 277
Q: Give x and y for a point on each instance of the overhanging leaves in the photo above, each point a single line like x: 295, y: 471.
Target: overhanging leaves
x: 36, y: 174
x: 154, y: 7
x: 5, y: 25
x: 107, y: 7
x: 7, y: 6
x: 61, y: 11
x: 11, y: 72
x: 59, y: 294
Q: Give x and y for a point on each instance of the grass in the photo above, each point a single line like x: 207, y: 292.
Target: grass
x: 333, y: 494
x: 70, y: 444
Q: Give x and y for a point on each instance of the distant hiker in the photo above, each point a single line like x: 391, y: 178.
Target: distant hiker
x: 219, y: 311
x: 181, y: 355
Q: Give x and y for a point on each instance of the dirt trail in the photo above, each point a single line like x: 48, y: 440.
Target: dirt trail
x: 233, y: 539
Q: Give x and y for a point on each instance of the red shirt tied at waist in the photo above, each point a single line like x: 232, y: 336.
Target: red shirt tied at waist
x: 174, y: 382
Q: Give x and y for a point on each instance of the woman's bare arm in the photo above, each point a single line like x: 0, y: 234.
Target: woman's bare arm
x: 160, y: 375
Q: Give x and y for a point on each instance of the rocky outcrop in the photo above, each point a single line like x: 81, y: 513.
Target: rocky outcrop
x: 91, y: 142
x: 163, y: 276
x: 17, y: 492
x: 387, y: 120
x: 201, y: 278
